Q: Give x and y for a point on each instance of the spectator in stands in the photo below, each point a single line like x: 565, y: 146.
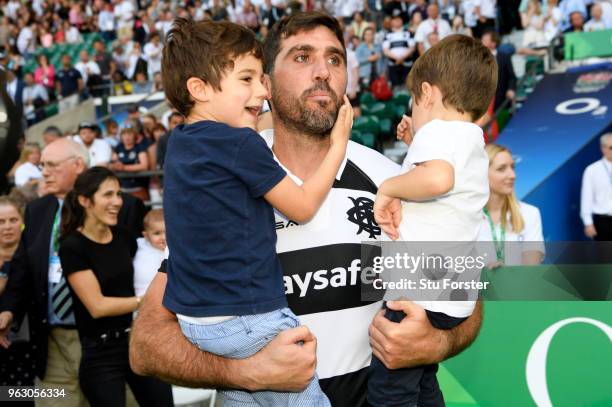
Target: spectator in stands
x: 533, y: 23
x: 124, y: 14
x: 45, y: 75
x: 269, y: 14
x: 136, y: 62
x: 218, y: 11
x: 45, y: 38
x: 398, y: 8
x: 27, y: 171
x: 150, y: 253
x: 596, y: 22
x: 35, y: 277
x: 14, y: 88
x: 552, y: 27
x: 69, y: 85
x: 369, y: 56
x: 96, y: 257
x: 90, y: 72
x: 485, y: 12
x: 596, y: 195
x: 458, y: 27
x: 72, y: 34
x: 141, y: 85
x: 435, y: 24
x: 157, y: 85
x: 576, y: 22
x: 568, y: 7
x: 419, y: 7
x: 131, y: 157
x: 514, y: 227
x: 415, y: 21
x: 174, y: 120
x: 158, y: 132
x: 506, y: 78
x: 399, y: 48
x: 106, y: 23
x: 121, y: 85
x: 112, y: 133
x: 18, y: 362
x: 26, y: 40
x: 359, y: 25
x: 35, y: 98
x: 99, y: 151
x: 153, y: 54
x: 51, y: 134
x: 103, y: 59
x: 246, y: 16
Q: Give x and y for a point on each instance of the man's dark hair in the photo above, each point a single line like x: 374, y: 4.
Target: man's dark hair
x: 206, y: 50
x: 494, y: 36
x: 293, y: 25
x: 53, y: 130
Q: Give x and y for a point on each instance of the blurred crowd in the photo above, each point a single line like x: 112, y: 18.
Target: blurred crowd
x: 386, y: 37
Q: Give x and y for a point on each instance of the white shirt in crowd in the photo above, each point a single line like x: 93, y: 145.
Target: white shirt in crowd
x: 25, y: 173
x: 87, y: 68
x: 347, y: 8
x: 153, y: 54
x: 124, y: 12
x: 100, y: 152
x: 428, y: 26
x: 12, y: 7
x: 487, y: 8
x: 398, y: 43
x: 529, y: 239
x: 469, y: 17
x: 455, y: 216
x: 146, y: 264
x: 352, y: 64
x: 596, y: 195
x: 25, y: 40
x: 106, y: 21
x: 594, y: 25
x: 73, y: 35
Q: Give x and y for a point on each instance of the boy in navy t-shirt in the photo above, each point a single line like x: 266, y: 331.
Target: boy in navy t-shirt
x: 221, y: 183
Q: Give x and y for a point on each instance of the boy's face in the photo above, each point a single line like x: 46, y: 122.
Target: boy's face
x: 242, y: 96
x: 155, y: 233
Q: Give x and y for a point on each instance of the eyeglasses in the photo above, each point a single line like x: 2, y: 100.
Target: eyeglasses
x: 53, y: 165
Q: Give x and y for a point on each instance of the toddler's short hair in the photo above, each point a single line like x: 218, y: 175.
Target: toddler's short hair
x: 204, y: 49
x: 153, y: 216
x: 463, y: 69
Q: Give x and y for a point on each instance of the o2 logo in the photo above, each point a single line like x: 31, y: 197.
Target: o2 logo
x: 580, y: 106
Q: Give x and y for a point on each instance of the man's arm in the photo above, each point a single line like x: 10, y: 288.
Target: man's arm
x: 159, y: 348
x: 414, y: 341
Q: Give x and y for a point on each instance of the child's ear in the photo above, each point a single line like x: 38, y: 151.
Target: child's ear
x: 427, y: 92
x: 199, y: 90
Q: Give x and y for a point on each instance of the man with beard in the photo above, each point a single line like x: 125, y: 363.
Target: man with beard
x: 306, y: 60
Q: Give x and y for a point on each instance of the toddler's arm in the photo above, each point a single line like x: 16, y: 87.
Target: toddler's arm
x: 301, y: 203
x: 427, y: 180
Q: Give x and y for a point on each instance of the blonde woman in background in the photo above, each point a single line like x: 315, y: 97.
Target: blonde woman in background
x: 26, y: 169
x: 513, y: 227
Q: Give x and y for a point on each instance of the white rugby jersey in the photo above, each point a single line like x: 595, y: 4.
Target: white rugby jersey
x: 321, y: 264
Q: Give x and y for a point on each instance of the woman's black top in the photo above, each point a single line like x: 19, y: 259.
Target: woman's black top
x: 111, y: 263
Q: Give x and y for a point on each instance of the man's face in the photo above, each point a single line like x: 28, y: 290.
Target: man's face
x: 487, y: 41
x: 606, y: 148
x: 29, y: 79
x: 577, y: 20
x: 60, y: 168
x: 174, y: 121
x: 66, y: 61
x: 432, y: 11
x: 87, y: 136
x: 308, y: 81
x: 596, y: 12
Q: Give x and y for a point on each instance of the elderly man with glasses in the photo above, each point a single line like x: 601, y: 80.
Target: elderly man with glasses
x: 36, y: 286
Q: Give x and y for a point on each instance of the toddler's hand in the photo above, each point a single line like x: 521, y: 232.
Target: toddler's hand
x: 404, y: 130
x: 341, y: 132
x: 388, y: 214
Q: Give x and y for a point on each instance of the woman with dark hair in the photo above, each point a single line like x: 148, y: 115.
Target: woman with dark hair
x: 96, y: 257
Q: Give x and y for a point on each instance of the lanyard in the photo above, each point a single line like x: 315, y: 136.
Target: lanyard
x: 55, y: 230
x: 499, y: 243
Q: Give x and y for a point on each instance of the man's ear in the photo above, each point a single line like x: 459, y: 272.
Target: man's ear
x: 199, y: 90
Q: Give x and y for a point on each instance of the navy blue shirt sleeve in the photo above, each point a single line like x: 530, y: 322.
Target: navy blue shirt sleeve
x: 256, y: 167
